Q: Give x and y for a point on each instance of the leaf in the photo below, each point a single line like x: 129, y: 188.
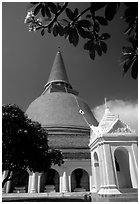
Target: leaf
x: 86, y: 46
x: 60, y: 30
x: 58, y: 6
x: 111, y: 10
x: 89, y: 45
x: 92, y: 54
x: 50, y: 28
x: 101, y: 20
x: 126, y: 66
x: 46, y: 19
x: 133, y: 41
x: 105, y: 36
x: 134, y: 69
x: 55, y: 30
x: 52, y: 7
x: 88, y: 16
x: 43, y: 11
x: 47, y: 11
x: 66, y: 31
x: 96, y: 6
x: 98, y: 49
x: 85, y: 23
x: 89, y: 34
x: 125, y: 58
x: 73, y: 37
x: 81, y: 31
x: 103, y: 46
x: 42, y: 31
x: 128, y: 49
x: 69, y: 14
x: 131, y: 4
x: 75, y: 12
x: 37, y: 9
x: 130, y: 14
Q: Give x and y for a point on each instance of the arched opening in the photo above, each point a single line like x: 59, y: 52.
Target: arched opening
x: 50, y: 181
x: 97, y: 171
x: 19, y: 184
x: 79, y: 180
x: 121, y: 158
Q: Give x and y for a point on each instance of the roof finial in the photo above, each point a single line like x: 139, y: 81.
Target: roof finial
x: 106, y: 104
x: 58, y: 48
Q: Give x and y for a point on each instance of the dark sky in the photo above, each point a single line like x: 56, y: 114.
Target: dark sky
x: 27, y: 59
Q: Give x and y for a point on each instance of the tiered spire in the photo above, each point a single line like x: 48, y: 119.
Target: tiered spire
x: 58, y: 71
x: 107, y: 120
x: 112, y: 124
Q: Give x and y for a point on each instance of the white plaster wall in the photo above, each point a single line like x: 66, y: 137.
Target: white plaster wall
x: 97, y: 169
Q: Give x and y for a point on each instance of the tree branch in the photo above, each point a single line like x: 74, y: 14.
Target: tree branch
x: 56, y: 15
x: 84, y: 11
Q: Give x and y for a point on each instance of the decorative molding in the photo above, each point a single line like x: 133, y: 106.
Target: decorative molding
x: 122, y: 130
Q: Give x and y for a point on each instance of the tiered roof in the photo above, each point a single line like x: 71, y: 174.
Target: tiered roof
x: 107, y: 120
x: 112, y: 124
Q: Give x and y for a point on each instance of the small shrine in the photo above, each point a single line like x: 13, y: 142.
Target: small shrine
x: 114, y: 156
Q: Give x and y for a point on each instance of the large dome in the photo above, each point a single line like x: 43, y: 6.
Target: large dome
x: 63, y: 113
x: 60, y: 109
x: 59, y: 105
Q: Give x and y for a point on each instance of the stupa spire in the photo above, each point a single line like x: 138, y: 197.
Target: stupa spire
x: 58, y: 71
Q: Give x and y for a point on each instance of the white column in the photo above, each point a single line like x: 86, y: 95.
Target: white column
x: 93, y: 177
x: 3, y: 177
x: 111, y: 187
x: 135, y: 153
x: 8, y: 184
x: 133, y: 165
x: 33, y: 185
x: 60, y: 183
x: 6, y: 188
x: 69, y: 182
x: 65, y: 182
x: 133, y: 170
x: 39, y: 182
x: 102, y: 169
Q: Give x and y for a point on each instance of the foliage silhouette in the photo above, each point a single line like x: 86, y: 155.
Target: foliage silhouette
x: 24, y: 144
x: 72, y: 27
